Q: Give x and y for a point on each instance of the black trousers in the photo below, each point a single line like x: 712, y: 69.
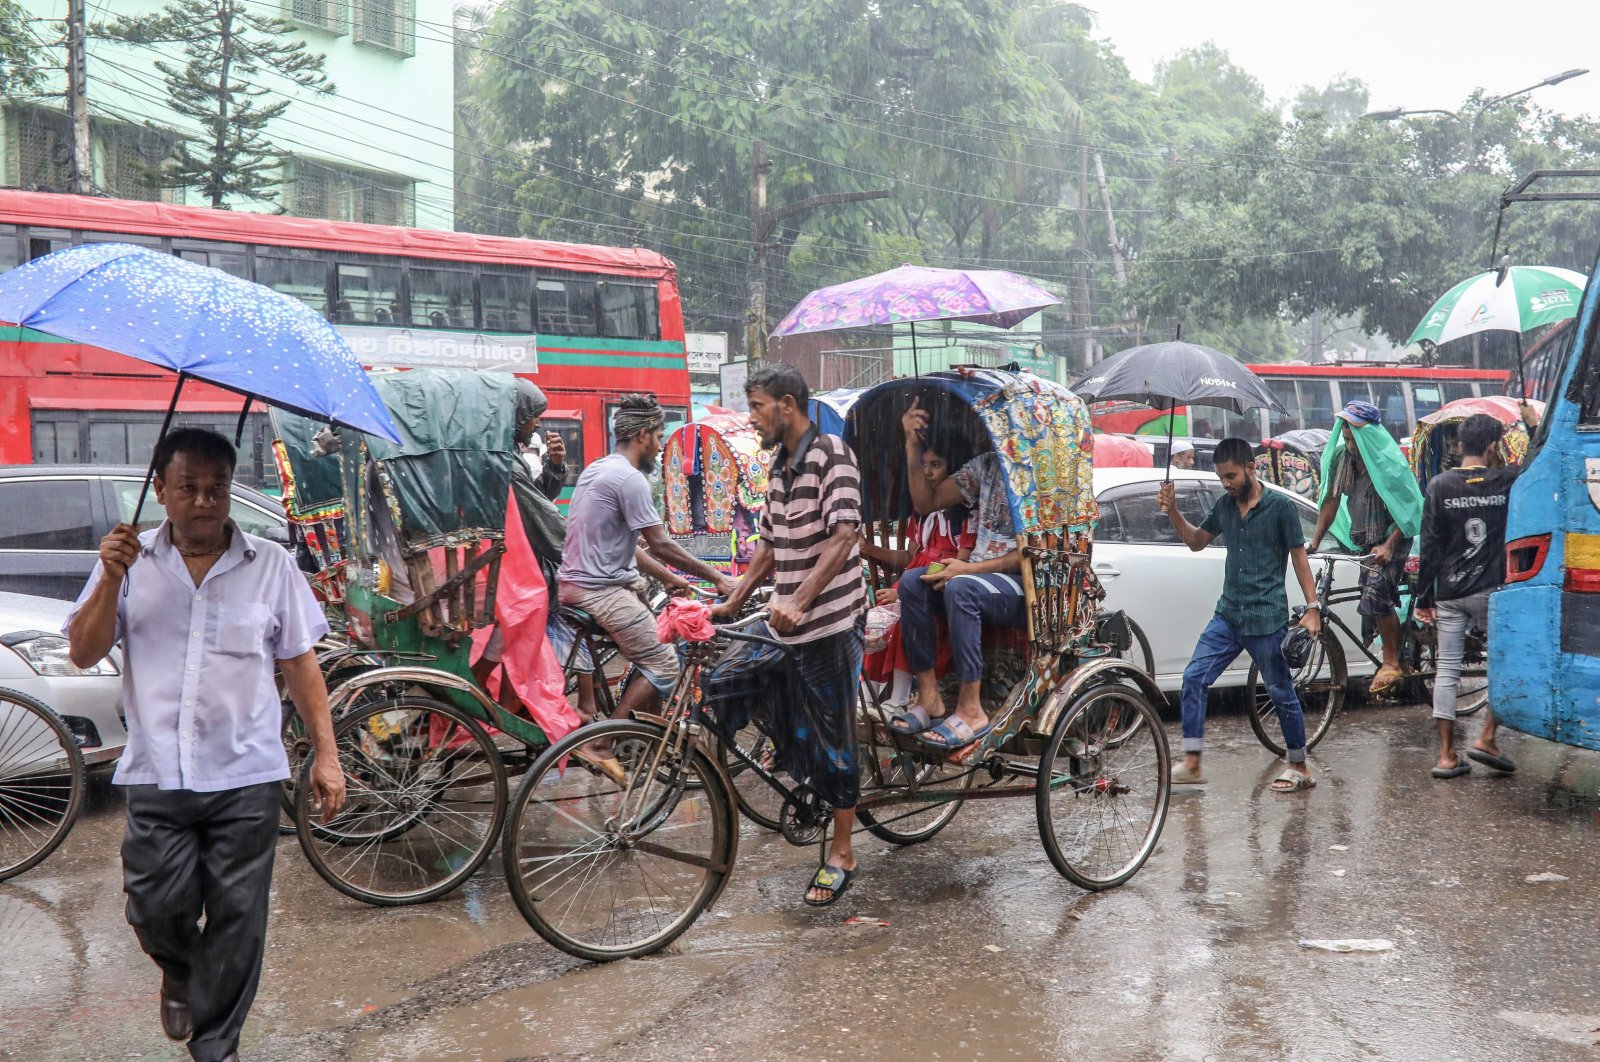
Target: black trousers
x: 188, y: 854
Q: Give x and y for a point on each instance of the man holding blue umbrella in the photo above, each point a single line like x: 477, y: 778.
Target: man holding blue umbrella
x: 204, y: 614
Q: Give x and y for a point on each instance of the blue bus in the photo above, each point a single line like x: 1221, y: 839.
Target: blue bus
x: 1544, y: 624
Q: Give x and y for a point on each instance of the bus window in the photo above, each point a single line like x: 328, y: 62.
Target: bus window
x: 506, y: 301
x: 155, y: 242
x: 230, y: 260
x: 1425, y: 399
x: 303, y: 276
x: 571, y: 431
x: 566, y: 306
x: 1316, y: 404
x: 1456, y: 389
x: 367, y: 294
x: 1390, y: 398
x: 628, y: 310
x: 10, y: 249
x: 440, y: 298
x: 1283, y: 391
x: 42, y: 241
x: 55, y: 440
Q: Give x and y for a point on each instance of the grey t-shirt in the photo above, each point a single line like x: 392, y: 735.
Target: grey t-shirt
x: 610, y: 506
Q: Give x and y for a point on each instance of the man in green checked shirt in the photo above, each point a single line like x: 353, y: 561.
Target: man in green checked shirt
x: 1262, y: 529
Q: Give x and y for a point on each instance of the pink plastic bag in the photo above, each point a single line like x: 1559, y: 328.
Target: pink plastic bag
x: 685, y: 620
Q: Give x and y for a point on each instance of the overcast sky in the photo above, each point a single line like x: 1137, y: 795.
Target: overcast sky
x: 1412, y: 53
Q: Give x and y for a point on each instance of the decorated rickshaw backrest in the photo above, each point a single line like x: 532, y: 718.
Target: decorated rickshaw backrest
x: 723, y: 453
x: 1434, y: 448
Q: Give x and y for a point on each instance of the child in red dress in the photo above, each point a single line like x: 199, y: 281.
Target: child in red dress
x: 948, y: 534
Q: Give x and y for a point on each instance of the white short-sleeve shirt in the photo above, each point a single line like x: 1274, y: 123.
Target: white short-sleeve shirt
x: 197, y: 662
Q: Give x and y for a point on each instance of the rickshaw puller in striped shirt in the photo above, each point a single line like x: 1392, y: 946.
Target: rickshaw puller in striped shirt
x: 809, y: 544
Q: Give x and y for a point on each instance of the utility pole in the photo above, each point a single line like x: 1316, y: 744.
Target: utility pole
x: 1083, y: 311
x: 755, y: 344
x: 81, y: 176
x: 1111, y: 223
x: 762, y: 224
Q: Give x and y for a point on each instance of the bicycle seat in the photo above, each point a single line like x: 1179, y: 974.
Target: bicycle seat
x: 580, y: 619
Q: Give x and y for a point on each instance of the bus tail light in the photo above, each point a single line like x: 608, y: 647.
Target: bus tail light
x: 1582, y: 564
x: 1525, y: 557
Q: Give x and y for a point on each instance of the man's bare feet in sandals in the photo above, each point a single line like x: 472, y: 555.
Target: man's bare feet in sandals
x: 1296, y: 777
x: 1387, y: 678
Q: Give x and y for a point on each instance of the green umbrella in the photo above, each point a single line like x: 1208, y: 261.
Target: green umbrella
x: 1513, y: 299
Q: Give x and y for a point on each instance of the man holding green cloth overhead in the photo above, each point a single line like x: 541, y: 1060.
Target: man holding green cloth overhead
x: 1371, y: 501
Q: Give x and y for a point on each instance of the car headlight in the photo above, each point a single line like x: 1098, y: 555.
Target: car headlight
x: 49, y: 654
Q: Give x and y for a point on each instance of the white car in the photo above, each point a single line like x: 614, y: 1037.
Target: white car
x: 1167, y: 590
x: 33, y: 661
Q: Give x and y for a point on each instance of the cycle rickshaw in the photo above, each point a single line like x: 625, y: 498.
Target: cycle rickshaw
x: 604, y: 871
x: 426, y: 750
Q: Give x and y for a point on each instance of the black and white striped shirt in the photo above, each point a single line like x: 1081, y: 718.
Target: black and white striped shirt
x: 807, y: 494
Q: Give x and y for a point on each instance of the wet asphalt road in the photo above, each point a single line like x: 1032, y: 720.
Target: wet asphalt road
x: 988, y: 954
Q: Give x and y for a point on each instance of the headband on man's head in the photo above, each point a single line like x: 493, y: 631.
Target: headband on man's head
x: 639, y: 413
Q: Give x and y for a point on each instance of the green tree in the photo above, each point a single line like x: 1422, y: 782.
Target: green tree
x: 21, y: 64
x: 635, y: 120
x: 238, y: 62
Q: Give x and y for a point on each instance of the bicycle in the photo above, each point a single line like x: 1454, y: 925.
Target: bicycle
x: 1322, y: 683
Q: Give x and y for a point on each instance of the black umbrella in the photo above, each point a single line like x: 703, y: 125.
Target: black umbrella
x: 1167, y: 375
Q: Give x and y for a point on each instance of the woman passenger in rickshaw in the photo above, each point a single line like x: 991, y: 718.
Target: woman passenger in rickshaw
x: 938, y: 538
x: 981, y: 591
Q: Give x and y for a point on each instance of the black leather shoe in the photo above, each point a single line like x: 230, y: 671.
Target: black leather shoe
x: 175, y: 1019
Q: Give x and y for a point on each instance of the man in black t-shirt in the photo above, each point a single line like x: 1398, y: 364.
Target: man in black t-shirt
x: 1462, y: 560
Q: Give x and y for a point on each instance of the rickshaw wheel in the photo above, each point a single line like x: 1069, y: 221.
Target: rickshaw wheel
x: 425, y: 798
x: 604, y: 872
x: 41, y: 782
x: 916, y: 822
x: 1103, y: 789
x: 1321, y: 686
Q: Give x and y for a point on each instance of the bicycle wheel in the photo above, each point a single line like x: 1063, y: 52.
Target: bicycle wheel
x: 41, y: 782
x: 758, y: 801
x: 425, y: 798
x: 1472, y: 692
x: 606, y: 872
x: 1101, y: 806
x: 1320, y: 685
x: 912, y: 823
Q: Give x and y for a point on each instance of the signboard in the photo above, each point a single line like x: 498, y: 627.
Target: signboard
x: 379, y: 346
x: 734, y: 375
x: 706, y: 352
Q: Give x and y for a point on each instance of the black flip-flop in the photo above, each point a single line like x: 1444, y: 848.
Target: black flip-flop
x: 1490, y: 760
x: 1462, y: 767
x: 836, y: 880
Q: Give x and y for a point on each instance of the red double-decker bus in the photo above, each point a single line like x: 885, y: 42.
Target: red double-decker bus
x: 1311, y: 394
x: 587, y: 324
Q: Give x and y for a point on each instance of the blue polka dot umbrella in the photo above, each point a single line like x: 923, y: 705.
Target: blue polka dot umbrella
x: 199, y: 322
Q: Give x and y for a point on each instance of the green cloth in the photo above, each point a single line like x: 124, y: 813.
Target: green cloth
x: 1254, y: 599
x: 1390, y: 473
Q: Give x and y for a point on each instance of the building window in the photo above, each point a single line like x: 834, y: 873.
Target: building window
x: 134, y: 156
x: 330, y: 15
x: 318, y: 190
x: 39, y: 149
x: 387, y: 24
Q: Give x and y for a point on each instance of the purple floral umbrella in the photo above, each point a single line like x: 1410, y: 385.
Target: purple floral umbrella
x: 909, y: 294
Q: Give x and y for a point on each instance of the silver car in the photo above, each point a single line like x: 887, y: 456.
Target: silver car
x: 34, y: 661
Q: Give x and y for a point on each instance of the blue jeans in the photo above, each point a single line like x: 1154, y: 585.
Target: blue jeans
x: 1218, y: 647
x: 969, y: 602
